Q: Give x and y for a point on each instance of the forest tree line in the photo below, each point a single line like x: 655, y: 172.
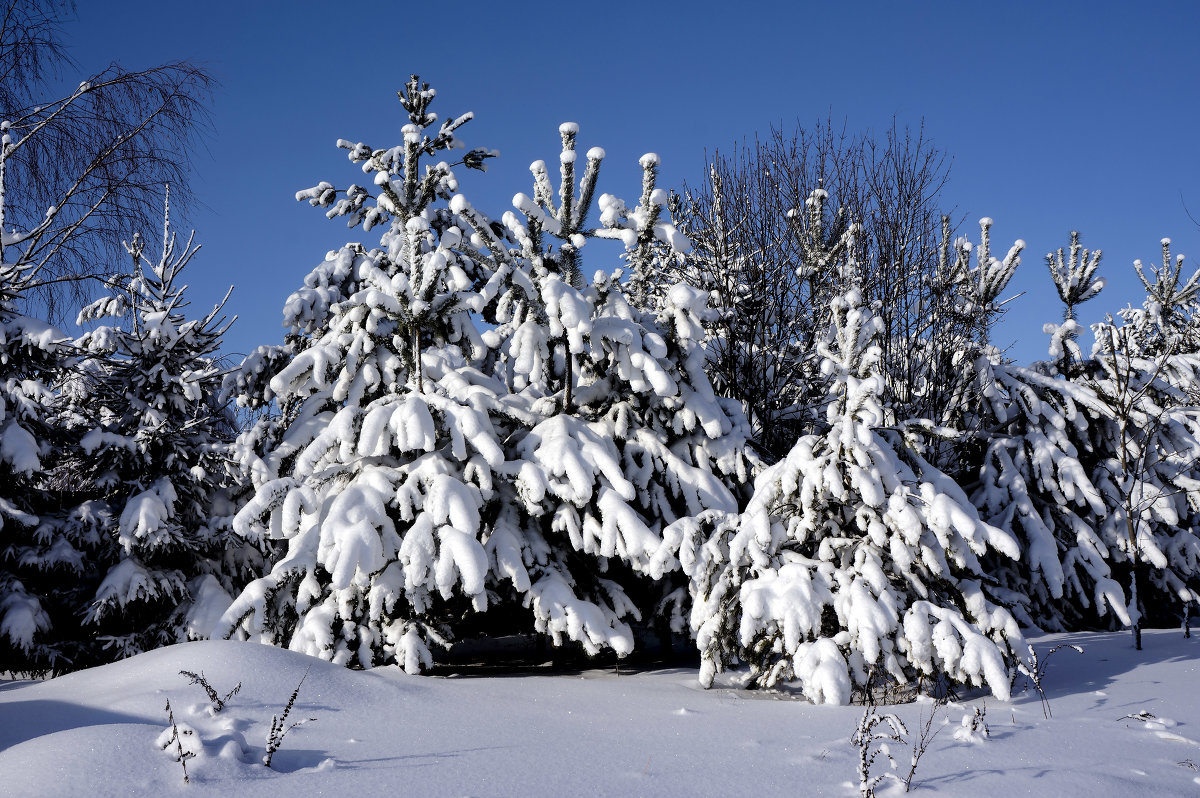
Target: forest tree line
x: 776, y: 427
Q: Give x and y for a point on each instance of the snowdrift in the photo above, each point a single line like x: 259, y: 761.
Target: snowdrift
x: 593, y: 733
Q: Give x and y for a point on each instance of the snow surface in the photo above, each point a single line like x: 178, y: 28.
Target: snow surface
x: 377, y: 732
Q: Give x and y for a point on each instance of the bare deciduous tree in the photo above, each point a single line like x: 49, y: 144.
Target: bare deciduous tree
x: 767, y: 228
x: 1145, y: 378
x: 1126, y: 393
x: 84, y: 167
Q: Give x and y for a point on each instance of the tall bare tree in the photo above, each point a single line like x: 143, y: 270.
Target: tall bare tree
x: 84, y: 166
x: 769, y: 228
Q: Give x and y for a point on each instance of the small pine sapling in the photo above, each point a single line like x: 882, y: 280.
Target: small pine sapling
x: 871, y: 741
x: 178, y: 734
x: 217, y: 703
x: 279, y: 724
x: 1034, y: 669
x: 153, y: 453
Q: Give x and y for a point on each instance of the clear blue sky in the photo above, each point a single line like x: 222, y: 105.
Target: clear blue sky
x: 1058, y: 116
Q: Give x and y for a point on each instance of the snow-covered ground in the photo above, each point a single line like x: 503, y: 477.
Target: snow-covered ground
x: 381, y: 732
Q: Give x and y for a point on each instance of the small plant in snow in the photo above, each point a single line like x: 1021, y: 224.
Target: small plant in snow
x: 215, y: 700
x: 974, y: 728
x: 1144, y: 716
x: 1034, y: 670
x: 184, y: 738
x: 871, y: 737
x: 279, y: 724
x: 924, y: 739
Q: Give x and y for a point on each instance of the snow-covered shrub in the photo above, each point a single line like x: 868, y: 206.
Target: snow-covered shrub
x: 280, y: 726
x: 856, y: 561
x: 187, y: 743
x: 1035, y: 481
x: 216, y: 702
x: 1033, y: 668
x: 973, y: 728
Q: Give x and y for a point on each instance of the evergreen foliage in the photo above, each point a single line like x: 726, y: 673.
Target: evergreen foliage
x: 35, y: 565
x: 1167, y: 323
x: 466, y: 432
x: 422, y: 469
x: 1092, y: 464
x: 377, y: 473
x: 1075, y: 279
x: 39, y: 568
x: 151, y: 460
x: 856, y: 562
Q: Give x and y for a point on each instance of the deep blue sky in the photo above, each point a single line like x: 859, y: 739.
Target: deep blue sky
x: 1058, y: 116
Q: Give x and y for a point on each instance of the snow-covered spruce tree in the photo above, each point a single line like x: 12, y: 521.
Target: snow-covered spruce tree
x: 489, y: 476
x: 381, y: 470
x: 41, y: 561
x: 629, y: 436
x: 1057, y: 474
x: 1148, y: 468
x: 856, y: 562
x: 1051, y: 476
x: 1033, y: 476
x: 154, y: 446
x: 1035, y: 481
x: 36, y: 565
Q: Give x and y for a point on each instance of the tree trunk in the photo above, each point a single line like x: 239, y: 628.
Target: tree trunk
x: 568, y: 389
x: 1135, y: 610
x: 1134, y: 604
x: 416, y: 356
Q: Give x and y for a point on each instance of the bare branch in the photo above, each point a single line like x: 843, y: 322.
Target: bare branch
x: 85, y: 171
